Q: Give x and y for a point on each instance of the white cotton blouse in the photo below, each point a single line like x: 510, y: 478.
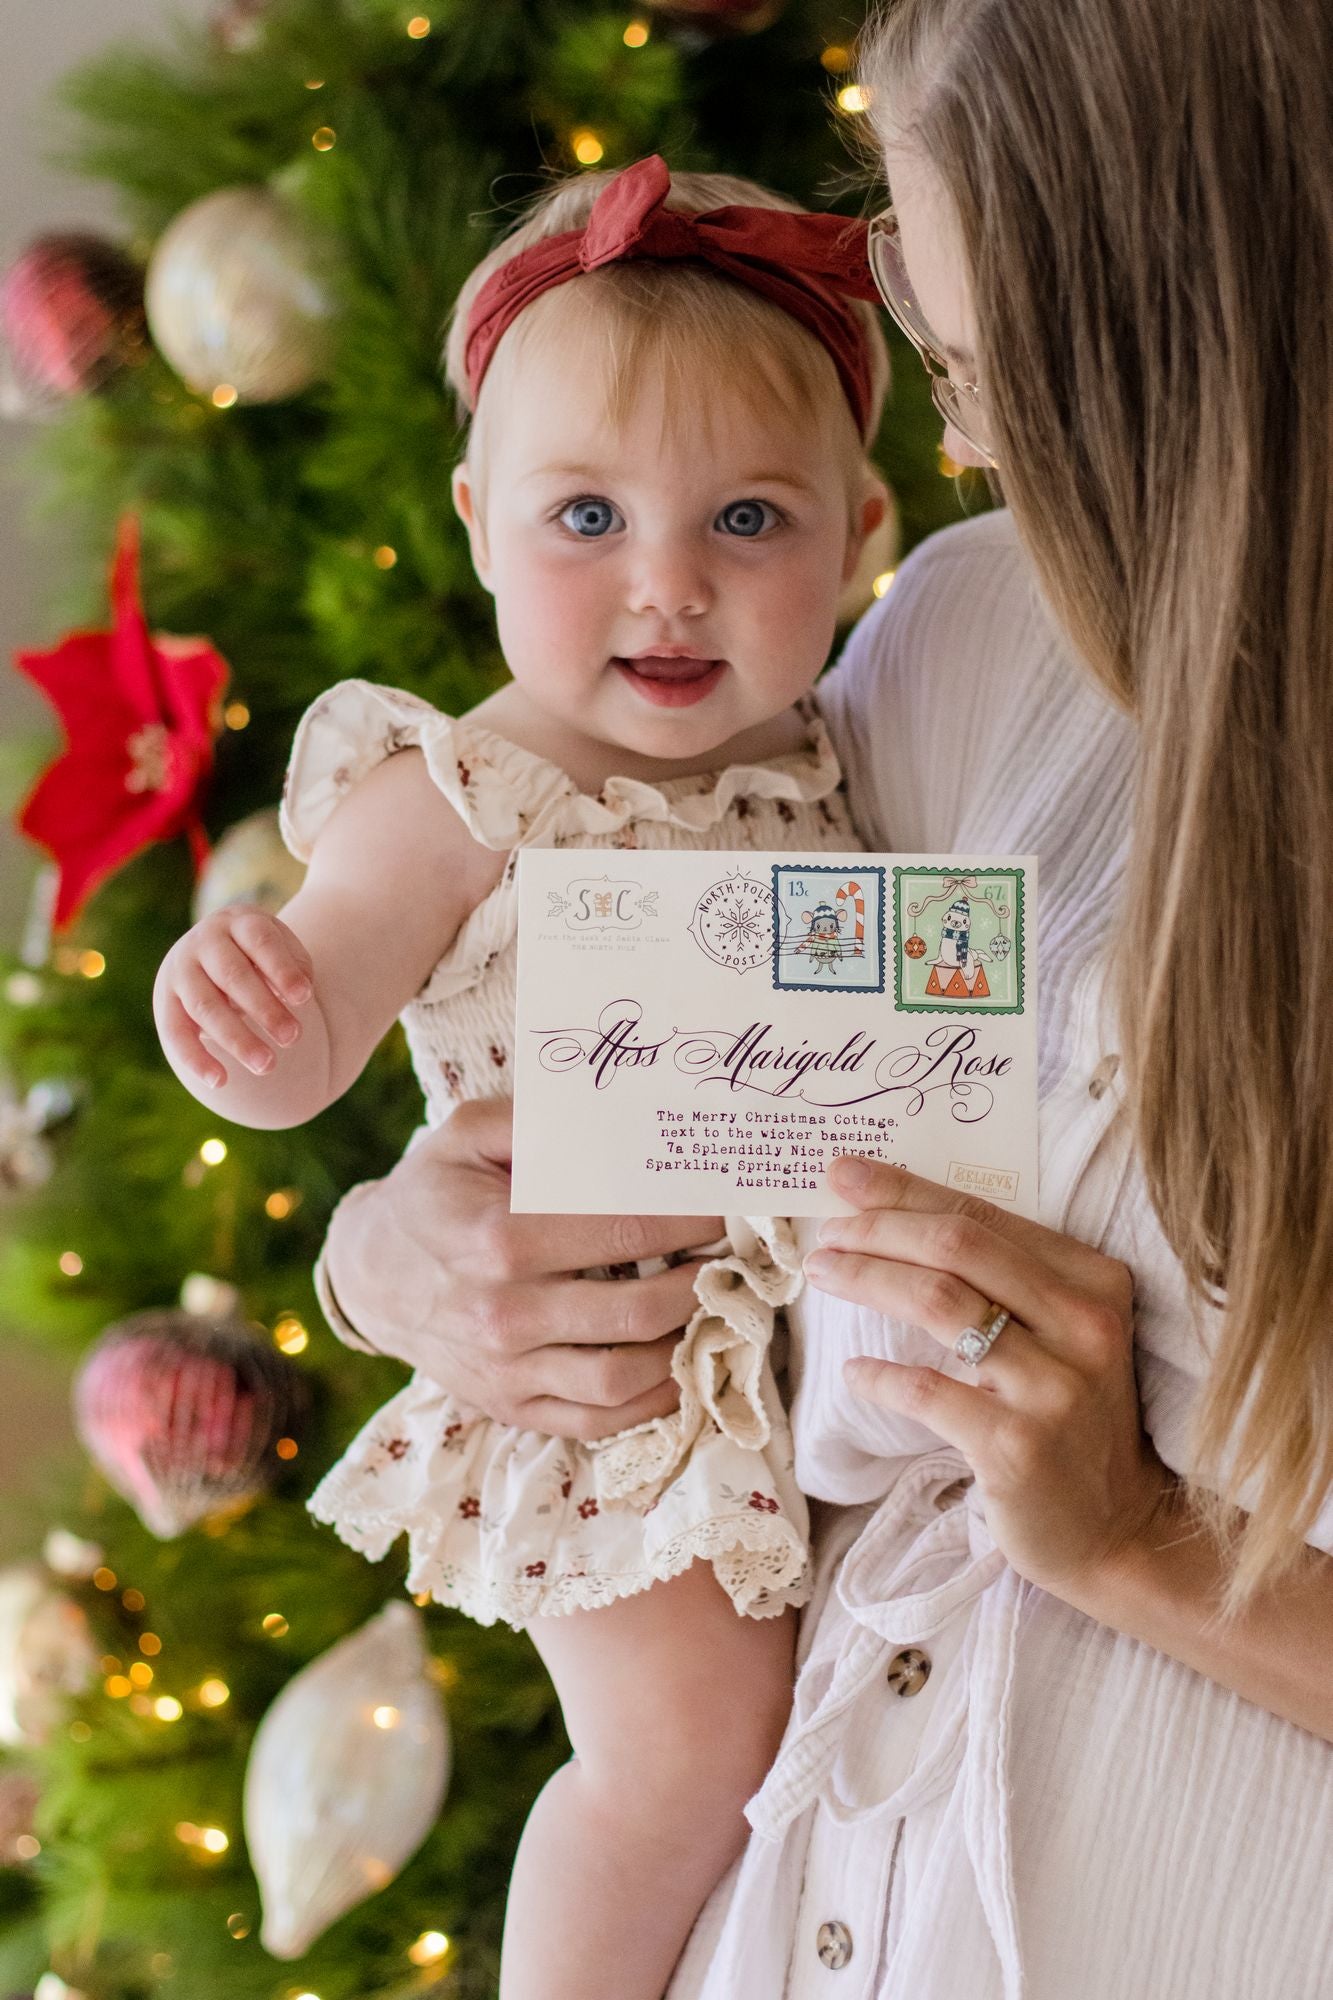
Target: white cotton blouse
x: 983, y: 1794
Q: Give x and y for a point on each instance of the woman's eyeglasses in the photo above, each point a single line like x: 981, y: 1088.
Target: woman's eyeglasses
x: 959, y: 403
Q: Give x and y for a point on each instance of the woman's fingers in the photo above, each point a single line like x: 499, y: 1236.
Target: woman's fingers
x: 941, y: 1305
x: 604, y: 1378
x: 869, y: 1184
x: 594, y: 1312
x: 946, y: 1267
x: 963, y: 1416
x: 585, y: 1422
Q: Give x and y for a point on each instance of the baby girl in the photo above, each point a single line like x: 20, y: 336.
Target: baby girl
x: 671, y: 388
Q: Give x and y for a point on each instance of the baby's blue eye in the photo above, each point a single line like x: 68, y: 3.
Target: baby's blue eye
x: 591, y: 518
x: 747, y: 518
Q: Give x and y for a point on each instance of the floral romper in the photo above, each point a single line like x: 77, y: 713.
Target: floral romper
x: 503, y: 1522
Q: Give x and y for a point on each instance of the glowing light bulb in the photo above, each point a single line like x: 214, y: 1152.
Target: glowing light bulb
x: 636, y: 34
x: 290, y: 1335
x: 225, y: 396
x: 853, y: 97
x: 587, y: 148
x: 883, y: 582
x: 286, y: 1448
x: 386, y: 1717
x: 167, y: 1709
x: 275, y: 1625
x: 141, y: 1674
x: 836, y: 58
x: 213, y: 1152
x: 324, y: 140
x: 214, y: 1693
x: 419, y: 27
x: 236, y: 715
x: 71, y: 1263
x: 213, y: 1840
x: 91, y: 964
x: 385, y: 556
x: 429, y: 1948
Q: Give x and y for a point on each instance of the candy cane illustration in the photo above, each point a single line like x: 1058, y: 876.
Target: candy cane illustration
x: 853, y: 892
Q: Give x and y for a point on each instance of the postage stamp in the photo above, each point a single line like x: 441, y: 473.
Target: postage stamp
x: 828, y: 928
x: 958, y: 940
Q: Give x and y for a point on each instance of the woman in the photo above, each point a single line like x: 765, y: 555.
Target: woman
x: 1030, y: 1756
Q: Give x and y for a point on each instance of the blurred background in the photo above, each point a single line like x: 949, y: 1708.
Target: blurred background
x: 236, y: 1762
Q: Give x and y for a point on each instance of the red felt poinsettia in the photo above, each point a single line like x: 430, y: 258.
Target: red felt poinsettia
x: 141, y: 712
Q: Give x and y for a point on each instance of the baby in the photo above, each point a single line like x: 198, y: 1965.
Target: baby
x: 671, y: 389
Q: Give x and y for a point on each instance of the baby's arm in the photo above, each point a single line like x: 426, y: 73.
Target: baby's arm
x: 268, y: 1020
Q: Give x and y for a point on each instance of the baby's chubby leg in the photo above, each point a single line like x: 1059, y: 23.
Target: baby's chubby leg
x: 675, y: 1707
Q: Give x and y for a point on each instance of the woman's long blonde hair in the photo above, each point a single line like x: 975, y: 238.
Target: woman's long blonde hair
x: 1147, y: 211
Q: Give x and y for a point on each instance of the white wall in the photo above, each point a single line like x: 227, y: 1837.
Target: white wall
x: 38, y: 43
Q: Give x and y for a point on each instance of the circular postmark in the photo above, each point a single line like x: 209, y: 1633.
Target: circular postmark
x: 733, y: 923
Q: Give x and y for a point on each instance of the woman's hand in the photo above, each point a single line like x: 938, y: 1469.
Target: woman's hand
x: 431, y: 1267
x: 1049, y: 1420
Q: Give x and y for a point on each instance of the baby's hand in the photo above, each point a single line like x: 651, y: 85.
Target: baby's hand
x: 236, y: 972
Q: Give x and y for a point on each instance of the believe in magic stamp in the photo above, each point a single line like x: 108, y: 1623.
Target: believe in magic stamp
x: 828, y: 928
x: 958, y: 940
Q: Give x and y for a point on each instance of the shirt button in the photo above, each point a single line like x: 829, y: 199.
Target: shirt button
x: 834, y: 1946
x: 909, y: 1671
x: 1103, y: 1076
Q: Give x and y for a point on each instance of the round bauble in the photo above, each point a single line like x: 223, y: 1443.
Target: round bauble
x: 915, y: 946
x: 236, y: 296
x: 874, y: 570
x: 72, y: 315
x: 250, y: 864
x: 238, y: 25
x: 347, y: 1774
x: 46, y: 1654
x: 181, y: 1415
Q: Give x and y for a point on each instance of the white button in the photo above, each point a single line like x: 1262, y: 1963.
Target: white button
x: 909, y: 1671
x: 834, y: 1946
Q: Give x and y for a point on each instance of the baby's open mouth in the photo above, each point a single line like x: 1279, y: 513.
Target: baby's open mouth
x: 671, y: 681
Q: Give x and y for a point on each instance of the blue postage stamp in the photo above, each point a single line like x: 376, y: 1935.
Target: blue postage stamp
x: 828, y: 928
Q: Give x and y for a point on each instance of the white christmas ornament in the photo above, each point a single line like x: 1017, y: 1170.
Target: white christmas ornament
x: 347, y: 1775
x: 236, y: 296
x: 46, y: 1654
x: 70, y: 1556
x: 250, y: 864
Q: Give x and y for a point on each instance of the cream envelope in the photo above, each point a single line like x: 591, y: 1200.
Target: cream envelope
x: 701, y: 1033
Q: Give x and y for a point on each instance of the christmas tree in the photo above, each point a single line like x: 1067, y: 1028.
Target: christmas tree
x: 319, y: 176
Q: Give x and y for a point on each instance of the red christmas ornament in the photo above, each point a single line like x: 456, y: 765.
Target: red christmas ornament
x: 72, y: 313
x: 140, y: 715
x: 181, y: 1414
x: 915, y: 947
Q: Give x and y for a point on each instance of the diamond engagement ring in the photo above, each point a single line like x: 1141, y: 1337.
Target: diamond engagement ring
x: 974, y: 1343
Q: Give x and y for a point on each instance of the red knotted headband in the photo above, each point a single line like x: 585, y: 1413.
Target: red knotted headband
x: 812, y: 266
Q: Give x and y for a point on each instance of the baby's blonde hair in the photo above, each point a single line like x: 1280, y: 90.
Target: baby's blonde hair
x: 674, y: 323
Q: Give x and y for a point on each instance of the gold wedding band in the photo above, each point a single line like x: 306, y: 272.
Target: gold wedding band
x: 974, y: 1343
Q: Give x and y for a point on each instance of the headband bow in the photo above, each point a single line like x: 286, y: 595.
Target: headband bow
x: 812, y: 266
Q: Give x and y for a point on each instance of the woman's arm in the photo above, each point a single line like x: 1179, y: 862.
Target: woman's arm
x: 270, y: 1020
x: 1165, y: 1585
x: 1050, y: 1423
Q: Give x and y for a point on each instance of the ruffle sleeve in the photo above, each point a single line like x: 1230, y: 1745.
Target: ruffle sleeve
x: 498, y: 790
